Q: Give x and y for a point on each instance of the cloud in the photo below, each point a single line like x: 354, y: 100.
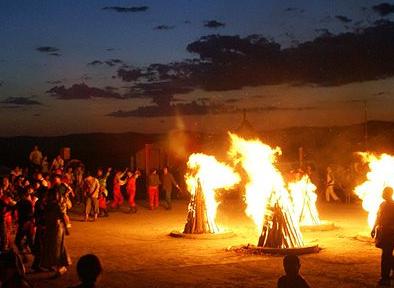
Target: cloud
x: 95, y: 62
x: 53, y: 82
x: 47, y: 49
x: 55, y: 54
x: 195, y: 108
x: 1, y: 83
x: 20, y: 101
x: 110, y: 49
x: 164, y: 27
x: 383, y: 9
x: 343, y: 19
x: 110, y: 62
x: 127, y: 9
x: 130, y: 75
x: 213, y: 24
x: 81, y: 91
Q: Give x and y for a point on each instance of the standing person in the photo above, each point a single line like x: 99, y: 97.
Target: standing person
x: 132, y: 188
x: 102, y: 200
x: 292, y: 279
x: 79, y: 183
x: 383, y: 232
x: 24, y: 207
x: 54, y: 253
x: 91, y: 197
x: 65, y: 193
x: 168, y: 181
x: 35, y: 159
x: 5, y: 221
x: 118, y: 182
x: 39, y: 219
x: 153, y: 189
x: 330, y: 183
x: 45, y: 165
x: 57, y: 163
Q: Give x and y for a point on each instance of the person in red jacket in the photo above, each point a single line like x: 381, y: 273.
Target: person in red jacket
x: 131, y: 189
x: 153, y: 189
x: 118, y: 182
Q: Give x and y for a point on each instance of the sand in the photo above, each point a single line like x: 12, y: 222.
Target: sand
x: 136, y: 251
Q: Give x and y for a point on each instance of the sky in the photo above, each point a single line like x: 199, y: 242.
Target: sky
x: 152, y: 66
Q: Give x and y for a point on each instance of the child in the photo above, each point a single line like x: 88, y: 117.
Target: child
x: 292, y: 279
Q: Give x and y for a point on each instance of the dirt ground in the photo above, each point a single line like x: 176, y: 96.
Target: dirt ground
x: 136, y: 251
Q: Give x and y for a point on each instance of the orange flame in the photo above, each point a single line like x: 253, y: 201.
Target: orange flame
x: 211, y: 175
x: 380, y: 175
x: 265, y: 187
x: 304, y: 201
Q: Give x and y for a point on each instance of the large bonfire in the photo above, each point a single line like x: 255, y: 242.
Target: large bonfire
x: 380, y: 175
x: 205, y: 177
x: 275, y: 207
x: 267, y: 199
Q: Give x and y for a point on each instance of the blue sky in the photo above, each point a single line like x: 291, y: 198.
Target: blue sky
x: 83, y: 32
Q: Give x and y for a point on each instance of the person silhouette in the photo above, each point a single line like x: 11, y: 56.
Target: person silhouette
x: 383, y: 232
x: 88, y: 269
x: 292, y: 279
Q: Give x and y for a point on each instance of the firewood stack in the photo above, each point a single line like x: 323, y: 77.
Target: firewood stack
x: 197, y: 220
x: 279, y: 230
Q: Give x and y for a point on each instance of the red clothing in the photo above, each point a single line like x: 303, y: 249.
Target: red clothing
x: 153, y: 192
x: 131, y: 188
x: 118, y: 197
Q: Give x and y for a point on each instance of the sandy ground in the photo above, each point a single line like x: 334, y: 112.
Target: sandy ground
x: 136, y: 251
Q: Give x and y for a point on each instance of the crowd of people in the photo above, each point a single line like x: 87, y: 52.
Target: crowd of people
x: 35, y: 201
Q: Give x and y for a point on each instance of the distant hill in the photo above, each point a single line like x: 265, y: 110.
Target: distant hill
x: 323, y: 145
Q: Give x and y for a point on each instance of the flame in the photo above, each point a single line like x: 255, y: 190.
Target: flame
x: 380, y: 175
x: 304, y: 201
x: 266, y: 188
x: 208, y: 173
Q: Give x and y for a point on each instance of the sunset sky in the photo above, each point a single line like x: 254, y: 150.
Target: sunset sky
x: 152, y: 66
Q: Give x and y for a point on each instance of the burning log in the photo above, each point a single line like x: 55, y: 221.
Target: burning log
x: 197, y: 219
x: 279, y: 231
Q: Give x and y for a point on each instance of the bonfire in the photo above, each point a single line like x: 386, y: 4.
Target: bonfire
x: 205, y: 177
x: 303, y: 195
x: 380, y: 175
x: 267, y: 200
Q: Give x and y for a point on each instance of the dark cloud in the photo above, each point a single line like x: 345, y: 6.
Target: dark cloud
x: 47, y: 49
x: 214, y: 24
x: 1, y: 83
x: 110, y: 49
x: 20, y: 101
x: 187, y: 22
x: 164, y: 27
x: 129, y: 75
x: 294, y: 9
x: 343, y: 19
x: 383, y: 9
x: 195, y: 108
x: 81, y: 91
x: 55, y: 54
x: 95, y: 62
x: 54, y: 82
x: 110, y: 62
x: 127, y: 9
